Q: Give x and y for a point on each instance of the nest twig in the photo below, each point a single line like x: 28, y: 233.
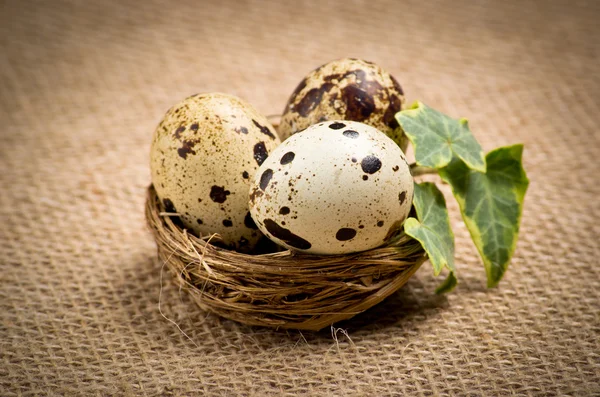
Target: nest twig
x: 283, y: 289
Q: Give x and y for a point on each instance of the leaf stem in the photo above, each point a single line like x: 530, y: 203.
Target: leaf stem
x: 418, y: 170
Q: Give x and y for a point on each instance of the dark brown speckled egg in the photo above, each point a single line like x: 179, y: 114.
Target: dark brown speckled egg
x: 346, y: 89
x: 203, y: 157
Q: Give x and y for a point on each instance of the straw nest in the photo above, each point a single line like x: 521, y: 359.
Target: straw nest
x: 282, y: 289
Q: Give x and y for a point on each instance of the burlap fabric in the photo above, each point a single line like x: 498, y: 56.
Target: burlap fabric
x: 82, y: 86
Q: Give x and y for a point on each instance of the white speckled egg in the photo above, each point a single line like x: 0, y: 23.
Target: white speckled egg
x: 348, y: 89
x: 203, y: 157
x: 336, y: 187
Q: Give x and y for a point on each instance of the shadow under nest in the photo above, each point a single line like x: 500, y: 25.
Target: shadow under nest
x: 282, y: 289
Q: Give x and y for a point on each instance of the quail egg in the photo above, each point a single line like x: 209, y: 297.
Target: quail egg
x: 349, y: 89
x: 336, y: 187
x: 204, y: 155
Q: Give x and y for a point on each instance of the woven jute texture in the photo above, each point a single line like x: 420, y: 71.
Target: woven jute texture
x: 82, y: 87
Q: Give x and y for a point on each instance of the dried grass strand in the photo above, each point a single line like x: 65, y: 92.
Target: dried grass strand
x: 283, y: 289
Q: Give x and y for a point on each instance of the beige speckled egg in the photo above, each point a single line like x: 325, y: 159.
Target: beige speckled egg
x: 336, y: 187
x: 348, y: 89
x: 203, y: 158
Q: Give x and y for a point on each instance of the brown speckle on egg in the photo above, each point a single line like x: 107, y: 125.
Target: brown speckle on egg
x: 265, y: 178
x: 286, y: 235
x: 345, y: 234
x: 186, y: 148
x: 260, y: 153
x: 218, y: 194
x: 359, y: 103
x: 350, y: 134
x: 370, y: 164
x: 287, y: 158
x: 178, y: 132
x: 264, y: 129
x: 311, y: 100
x: 402, y: 197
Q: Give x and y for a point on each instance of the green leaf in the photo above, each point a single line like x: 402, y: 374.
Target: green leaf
x: 438, y: 138
x: 448, y: 284
x: 432, y: 228
x: 491, y: 204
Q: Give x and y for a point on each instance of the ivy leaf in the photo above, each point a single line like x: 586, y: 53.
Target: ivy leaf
x: 491, y: 204
x: 448, y: 284
x: 438, y: 138
x: 432, y: 228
